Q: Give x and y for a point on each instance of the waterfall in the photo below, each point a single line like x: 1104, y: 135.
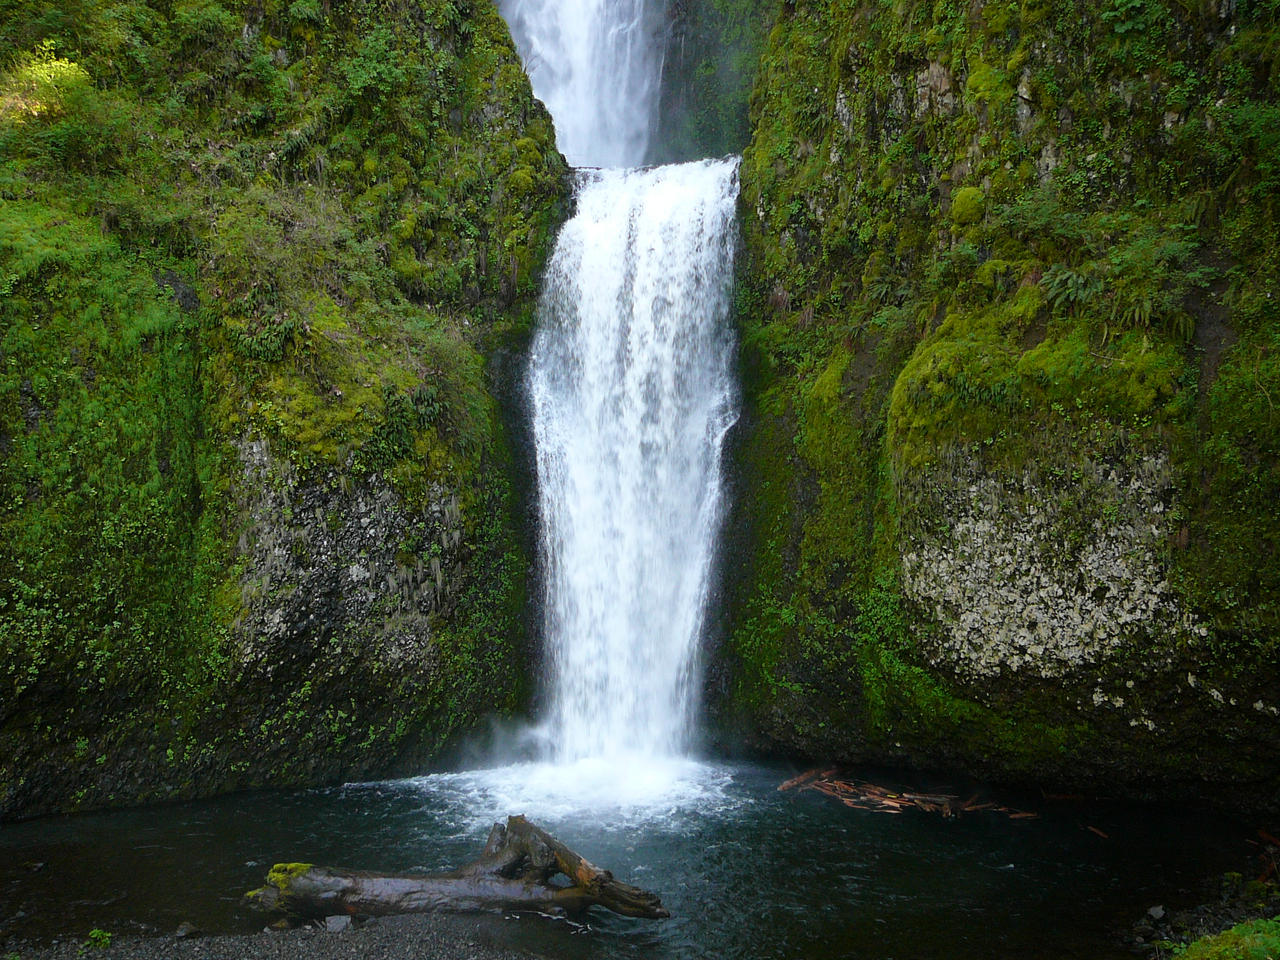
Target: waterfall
x: 631, y: 389
x: 632, y: 393
x: 596, y: 65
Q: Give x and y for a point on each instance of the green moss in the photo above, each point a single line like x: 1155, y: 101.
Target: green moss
x: 220, y: 221
x: 970, y: 242
x: 967, y: 205
x: 282, y: 875
x: 1254, y: 940
x: 988, y: 84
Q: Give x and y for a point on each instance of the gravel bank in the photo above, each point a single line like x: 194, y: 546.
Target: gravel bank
x: 422, y: 937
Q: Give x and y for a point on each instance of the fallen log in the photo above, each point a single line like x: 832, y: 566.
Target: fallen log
x: 805, y: 777
x: 515, y: 871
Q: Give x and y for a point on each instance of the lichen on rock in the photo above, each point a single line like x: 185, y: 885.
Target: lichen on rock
x: 1045, y: 576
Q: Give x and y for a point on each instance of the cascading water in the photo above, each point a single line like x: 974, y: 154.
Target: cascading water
x: 596, y: 65
x: 632, y: 394
x: 631, y: 389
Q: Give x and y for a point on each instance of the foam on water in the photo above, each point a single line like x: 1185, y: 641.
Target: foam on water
x: 612, y: 793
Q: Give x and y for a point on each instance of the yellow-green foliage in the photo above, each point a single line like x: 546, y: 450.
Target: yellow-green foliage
x: 39, y: 86
x: 283, y: 874
x: 1254, y: 940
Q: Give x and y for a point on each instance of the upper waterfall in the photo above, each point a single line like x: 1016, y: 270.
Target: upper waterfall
x: 596, y: 64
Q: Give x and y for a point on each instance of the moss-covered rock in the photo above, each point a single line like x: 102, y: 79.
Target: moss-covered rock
x: 256, y: 497
x: 1009, y: 318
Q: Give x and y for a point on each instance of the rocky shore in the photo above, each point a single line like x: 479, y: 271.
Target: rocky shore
x: 417, y: 937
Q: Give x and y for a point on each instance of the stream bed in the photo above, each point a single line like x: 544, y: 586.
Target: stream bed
x: 746, y: 870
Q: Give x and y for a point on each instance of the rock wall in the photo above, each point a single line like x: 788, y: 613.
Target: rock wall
x: 1016, y: 578
x: 259, y: 521
x: 711, y: 51
x: 318, y: 559
x: 1008, y: 477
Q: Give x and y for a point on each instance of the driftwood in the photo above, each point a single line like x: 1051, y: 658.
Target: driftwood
x: 514, y: 872
x: 869, y: 796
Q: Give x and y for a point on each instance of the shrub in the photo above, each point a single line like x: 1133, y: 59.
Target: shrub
x: 40, y: 86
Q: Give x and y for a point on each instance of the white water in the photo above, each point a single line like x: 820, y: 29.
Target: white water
x: 631, y: 389
x: 632, y: 394
x: 652, y: 793
x: 596, y: 65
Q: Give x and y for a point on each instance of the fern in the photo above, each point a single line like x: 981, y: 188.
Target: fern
x: 1069, y: 290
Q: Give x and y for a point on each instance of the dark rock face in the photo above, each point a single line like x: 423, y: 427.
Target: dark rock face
x: 349, y: 621
x: 711, y: 54
x: 326, y: 562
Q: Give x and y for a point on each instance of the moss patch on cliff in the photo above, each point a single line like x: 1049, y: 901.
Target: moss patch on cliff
x: 982, y: 240
x: 231, y: 222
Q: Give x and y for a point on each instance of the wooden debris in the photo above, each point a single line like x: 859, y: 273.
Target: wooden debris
x: 863, y: 795
x: 802, y: 779
x: 522, y: 867
x: 1063, y: 797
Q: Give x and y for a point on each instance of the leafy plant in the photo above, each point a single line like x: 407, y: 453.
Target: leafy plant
x: 1126, y: 16
x: 41, y: 85
x: 1069, y: 289
x: 99, y: 939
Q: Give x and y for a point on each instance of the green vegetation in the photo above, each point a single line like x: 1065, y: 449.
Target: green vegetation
x: 1255, y: 940
x: 99, y: 939
x: 999, y: 241
x: 230, y: 221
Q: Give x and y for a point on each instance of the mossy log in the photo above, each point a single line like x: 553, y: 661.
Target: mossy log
x: 515, y: 871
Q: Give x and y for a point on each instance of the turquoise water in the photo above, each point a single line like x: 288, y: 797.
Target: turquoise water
x: 745, y: 870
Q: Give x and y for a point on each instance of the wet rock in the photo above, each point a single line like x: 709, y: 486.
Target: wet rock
x: 337, y: 924
x: 184, y: 295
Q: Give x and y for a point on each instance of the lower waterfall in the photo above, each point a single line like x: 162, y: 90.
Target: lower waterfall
x: 632, y: 393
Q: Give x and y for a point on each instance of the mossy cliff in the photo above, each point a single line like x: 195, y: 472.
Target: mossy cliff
x: 257, y: 524
x: 1010, y: 472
